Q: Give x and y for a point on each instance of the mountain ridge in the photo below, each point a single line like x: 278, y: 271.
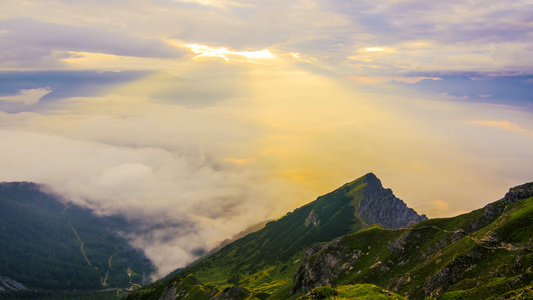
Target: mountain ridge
x: 265, y: 260
x: 487, y: 252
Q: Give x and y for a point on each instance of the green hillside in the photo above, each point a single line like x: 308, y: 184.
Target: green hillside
x: 265, y: 261
x: 482, y: 254
x: 357, y: 291
x: 46, y: 245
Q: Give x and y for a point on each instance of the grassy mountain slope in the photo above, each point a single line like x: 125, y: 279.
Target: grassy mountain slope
x: 482, y: 254
x: 265, y: 261
x: 46, y: 245
x: 357, y: 291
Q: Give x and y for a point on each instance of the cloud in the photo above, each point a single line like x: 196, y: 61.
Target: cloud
x: 180, y: 201
x: 27, y: 96
x: 192, y: 151
x: 505, y: 125
x: 457, y: 36
x: 188, y: 177
x: 225, y: 53
x: 29, y: 42
x: 38, y: 89
x: 505, y: 90
x: 438, y: 208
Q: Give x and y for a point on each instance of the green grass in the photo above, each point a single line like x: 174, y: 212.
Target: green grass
x: 494, y: 287
x: 361, y: 291
x: 264, y: 261
x: 442, y: 257
x: 515, y: 226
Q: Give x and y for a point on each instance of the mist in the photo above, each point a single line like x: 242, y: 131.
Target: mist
x: 190, y: 176
x: 196, y: 119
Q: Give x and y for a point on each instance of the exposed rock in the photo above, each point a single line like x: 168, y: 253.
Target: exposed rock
x: 169, y: 293
x: 312, y: 219
x: 496, y: 209
x: 519, y: 192
x: 380, y: 206
x: 398, y: 245
x: 8, y: 283
x: 322, y: 264
x: 451, y: 273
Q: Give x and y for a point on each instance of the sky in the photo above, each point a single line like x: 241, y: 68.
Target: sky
x: 198, y: 118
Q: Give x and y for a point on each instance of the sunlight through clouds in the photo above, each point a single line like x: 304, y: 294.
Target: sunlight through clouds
x: 199, y: 112
x: 226, y: 54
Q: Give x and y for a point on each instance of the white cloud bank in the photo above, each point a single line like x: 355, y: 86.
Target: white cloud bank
x: 201, y: 154
x: 193, y: 176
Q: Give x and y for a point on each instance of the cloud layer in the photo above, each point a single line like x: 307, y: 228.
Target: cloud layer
x: 437, y: 37
x: 196, y: 119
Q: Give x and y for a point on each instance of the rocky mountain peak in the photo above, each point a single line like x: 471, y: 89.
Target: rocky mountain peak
x: 380, y: 206
x: 372, y: 180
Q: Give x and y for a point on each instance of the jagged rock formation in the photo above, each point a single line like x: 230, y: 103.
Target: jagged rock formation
x: 380, y: 206
x: 483, y: 253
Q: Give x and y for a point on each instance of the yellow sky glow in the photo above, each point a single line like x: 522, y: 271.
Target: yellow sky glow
x: 503, y: 125
x: 374, y: 49
x: 224, y: 53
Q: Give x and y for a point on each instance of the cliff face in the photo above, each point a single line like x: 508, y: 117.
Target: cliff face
x: 483, y: 253
x: 380, y: 206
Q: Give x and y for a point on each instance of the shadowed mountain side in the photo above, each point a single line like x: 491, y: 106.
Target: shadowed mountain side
x: 46, y: 245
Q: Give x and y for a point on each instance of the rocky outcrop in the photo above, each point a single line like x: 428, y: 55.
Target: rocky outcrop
x: 312, y: 220
x: 7, y: 283
x: 493, y: 210
x: 451, y: 273
x: 519, y: 192
x: 380, y: 206
x: 322, y: 264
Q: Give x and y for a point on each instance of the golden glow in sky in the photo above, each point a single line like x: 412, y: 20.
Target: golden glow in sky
x: 266, y: 106
x: 225, y: 53
x: 374, y: 49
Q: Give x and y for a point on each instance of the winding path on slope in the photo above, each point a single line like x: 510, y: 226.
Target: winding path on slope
x: 104, y: 283
x: 102, y: 280
x: 81, y: 244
